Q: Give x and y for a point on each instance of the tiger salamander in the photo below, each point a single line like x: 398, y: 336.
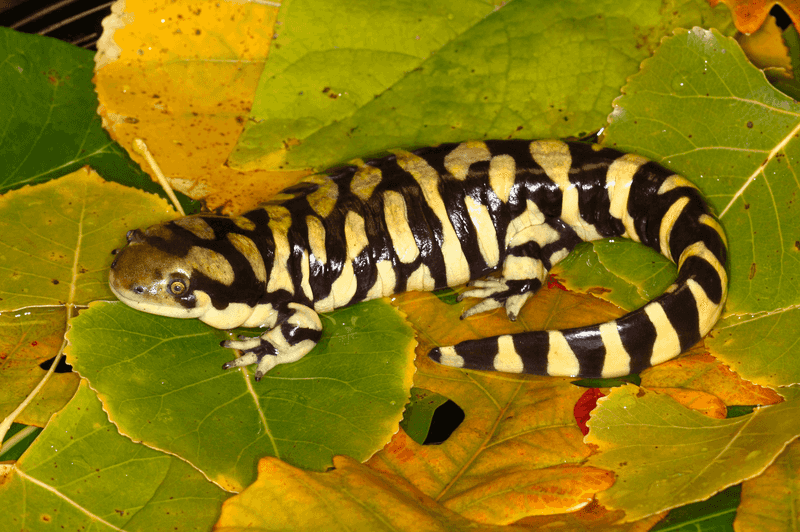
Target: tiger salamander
x: 432, y: 218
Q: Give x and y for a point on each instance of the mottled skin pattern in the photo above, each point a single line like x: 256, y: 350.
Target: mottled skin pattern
x: 432, y: 218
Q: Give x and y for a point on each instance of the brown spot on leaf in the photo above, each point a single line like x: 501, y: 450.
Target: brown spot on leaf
x: 752, y: 271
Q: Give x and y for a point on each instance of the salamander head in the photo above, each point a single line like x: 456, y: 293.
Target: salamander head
x: 188, y: 269
x: 149, y: 278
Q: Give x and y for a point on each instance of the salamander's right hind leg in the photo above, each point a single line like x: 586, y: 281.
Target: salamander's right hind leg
x: 529, y: 256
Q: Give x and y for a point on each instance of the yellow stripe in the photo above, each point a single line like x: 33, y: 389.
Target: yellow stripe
x: 354, y: 235
x: 420, y: 279
x: 197, y: 226
x: 316, y: 238
x: 715, y: 225
x: 675, y: 181
x: 456, y: 266
x: 507, y: 358
x: 667, y: 344
x: 396, y: 216
x: 450, y: 357
x: 618, y: 361
x: 344, y: 287
x: 364, y: 181
x: 708, y: 311
x: 211, y: 264
x: 279, y: 223
x: 458, y: 161
x: 385, y: 282
x: 502, y: 174
x: 554, y: 157
x: 248, y: 249
x: 561, y: 359
x: 305, y: 284
x: 618, y: 183
x: 324, y: 198
x: 699, y: 249
x: 487, y: 237
x: 668, y: 222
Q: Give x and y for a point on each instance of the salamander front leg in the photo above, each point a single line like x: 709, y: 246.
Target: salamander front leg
x: 288, y: 341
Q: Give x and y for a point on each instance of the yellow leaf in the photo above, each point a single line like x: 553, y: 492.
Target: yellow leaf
x: 770, y: 502
x: 29, y: 338
x: 765, y: 47
x: 700, y: 371
x: 182, y: 76
x: 591, y: 518
x: 349, y: 497
x: 705, y: 403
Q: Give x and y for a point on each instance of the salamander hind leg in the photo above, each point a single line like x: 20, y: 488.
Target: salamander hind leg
x: 530, y: 255
x: 289, y: 340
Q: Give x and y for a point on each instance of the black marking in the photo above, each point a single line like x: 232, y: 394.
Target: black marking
x: 638, y: 335
x: 533, y: 347
x: 681, y: 309
x: 588, y: 347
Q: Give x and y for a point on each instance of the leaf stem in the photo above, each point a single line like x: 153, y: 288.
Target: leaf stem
x: 140, y: 147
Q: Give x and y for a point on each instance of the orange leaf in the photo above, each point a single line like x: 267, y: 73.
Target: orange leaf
x: 749, y: 15
x: 770, y: 501
x: 591, y: 518
x: 700, y: 371
x: 349, y: 497
x: 553, y: 307
x: 705, y: 403
x: 182, y: 77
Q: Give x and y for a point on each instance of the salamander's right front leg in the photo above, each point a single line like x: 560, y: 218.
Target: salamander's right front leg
x: 289, y: 340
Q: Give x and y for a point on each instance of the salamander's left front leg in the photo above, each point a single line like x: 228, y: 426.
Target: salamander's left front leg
x: 296, y: 333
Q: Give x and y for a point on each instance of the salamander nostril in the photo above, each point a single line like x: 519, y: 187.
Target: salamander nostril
x: 114, y: 263
x: 138, y: 289
x: 134, y: 235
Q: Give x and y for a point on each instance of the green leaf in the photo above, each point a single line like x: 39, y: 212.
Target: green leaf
x: 760, y: 347
x: 161, y: 382
x: 80, y: 474
x: 419, y: 412
x: 49, y: 124
x: 349, y: 82
x: 620, y: 271
x: 666, y: 455
x: 58, y: 237
x: 18, y: 439
x: 714, y: 515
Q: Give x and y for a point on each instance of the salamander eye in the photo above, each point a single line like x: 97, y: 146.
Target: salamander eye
x: 177, y: 287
